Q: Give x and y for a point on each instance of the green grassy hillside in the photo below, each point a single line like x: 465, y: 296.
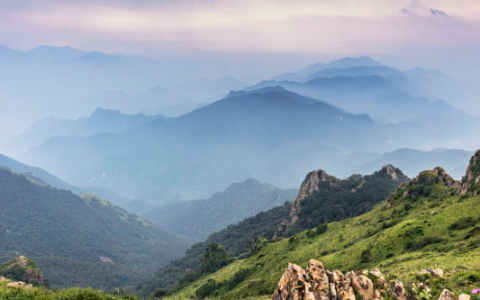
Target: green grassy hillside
x: 79, y: 240
x: 431, y: 226
x: 322, y: 197
x: 18, y: 293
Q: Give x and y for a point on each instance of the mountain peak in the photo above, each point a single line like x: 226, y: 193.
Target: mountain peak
x: 470, y: 182
x: 389, y: 169
x: 103, y: 111
x: 348, y: 62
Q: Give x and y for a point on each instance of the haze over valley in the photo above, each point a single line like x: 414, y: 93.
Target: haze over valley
x: 193, y: 150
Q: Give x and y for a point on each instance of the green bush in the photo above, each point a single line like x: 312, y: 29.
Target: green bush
x: 463, y: 223
x: 321, y: 229
x: 366, y: 256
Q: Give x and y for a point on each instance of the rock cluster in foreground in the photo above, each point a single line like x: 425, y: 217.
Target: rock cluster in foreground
x: 316, y: 283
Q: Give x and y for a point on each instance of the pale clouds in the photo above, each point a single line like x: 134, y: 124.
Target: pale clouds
x: 257, y: 26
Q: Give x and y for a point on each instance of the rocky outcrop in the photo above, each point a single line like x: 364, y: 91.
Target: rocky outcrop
x: 446, y: 295
x: 390, y: 200
x: 293, y: 285
x: 256, y: 244
x: 320, y: 284
x: 362, y: 285
x: 380, y: 278
x: 22, y: 269
x: 472, y: 176
x: 342, y: 285
x: 389, y: 169
x: 20, y: 284
x: 319, y: 280
x: 309, y: 186
x: 446, y: 179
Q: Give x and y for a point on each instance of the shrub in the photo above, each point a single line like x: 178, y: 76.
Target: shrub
x: 463, y: 223
x: 420, y: 244
x: 366, y: 256
x: 321, y: 229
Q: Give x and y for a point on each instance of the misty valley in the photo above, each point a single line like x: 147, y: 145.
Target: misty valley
x: 222, y: 150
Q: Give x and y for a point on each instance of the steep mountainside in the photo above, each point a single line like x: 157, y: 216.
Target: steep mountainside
x: 101, y: 120
x: 41, y: 175
x: 324, y: 198
x: 255, y: 135
x: 198, y: 219
x: 62, y: 232
x: 253, y: 233
x: 424, y: 225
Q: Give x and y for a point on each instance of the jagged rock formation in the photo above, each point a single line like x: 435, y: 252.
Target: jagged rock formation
x: 312, y: 185
x: 470, y: 182
x: 391, y: 170
x: 256, y: 244
x: 446, y: 179
x: 317, y: 283
x: 308, y: 188
x: 23, y: 270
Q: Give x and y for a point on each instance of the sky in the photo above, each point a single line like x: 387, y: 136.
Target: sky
x: 183, y: 27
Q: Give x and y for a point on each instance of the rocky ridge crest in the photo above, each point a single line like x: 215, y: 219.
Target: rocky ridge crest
x: 470, y: 182
x: 311, y: 185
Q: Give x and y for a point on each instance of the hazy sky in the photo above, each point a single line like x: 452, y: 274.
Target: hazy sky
x: 376, y: 27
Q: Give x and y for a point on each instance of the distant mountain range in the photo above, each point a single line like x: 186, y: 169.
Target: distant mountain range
x: 387, y: 97
x: 239, y: 137
x: 348, y: 62
x: 101, y: 120
x: 105, y: 245
x: 270, y: 134
x: 197, y: 219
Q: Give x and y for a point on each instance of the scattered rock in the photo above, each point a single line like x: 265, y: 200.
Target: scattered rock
x: 432, y: 212
x: 405, y: 194
x: 397, y: 290
x: 105, y: 259
x: 436, y: 272
x: 446, y: 295
x: 254, y: 281
x: 464, y: 297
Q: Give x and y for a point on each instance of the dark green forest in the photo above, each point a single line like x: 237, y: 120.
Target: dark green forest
x: 79, y: 240
x: 346, y: 198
